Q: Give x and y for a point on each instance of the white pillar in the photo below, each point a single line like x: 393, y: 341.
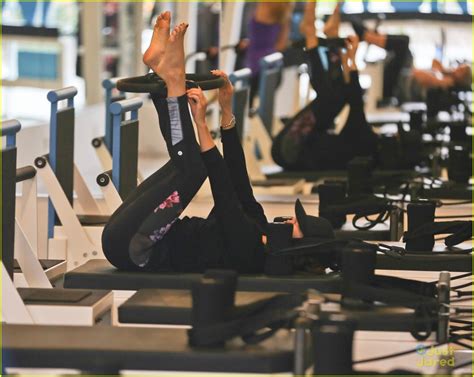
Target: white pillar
x: 381, y: 6
x: 130, y: 31
x: 229, y: 33
x: 92, y: 62
x: 425, y: 7
x: 354, y: 6
x: 188, y: 12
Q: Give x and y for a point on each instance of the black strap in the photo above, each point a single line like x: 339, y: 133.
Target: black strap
x: 413, y: 286
x: 371, y: 223
x: 460, y: 231
x: 248, y: 321
x: 407, y: 293
x: 391, y: 295
x: 362, y: 207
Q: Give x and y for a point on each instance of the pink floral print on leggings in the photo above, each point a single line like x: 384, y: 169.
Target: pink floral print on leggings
x: 169, y: 202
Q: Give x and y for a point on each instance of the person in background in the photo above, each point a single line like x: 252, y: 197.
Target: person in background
x: 417, y: 82
x: 308, y: 142
x: 268, y: 32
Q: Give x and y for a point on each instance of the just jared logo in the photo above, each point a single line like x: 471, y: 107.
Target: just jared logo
x: 435, y: 356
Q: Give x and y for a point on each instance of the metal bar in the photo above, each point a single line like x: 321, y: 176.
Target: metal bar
x: 60, y: 94
x: 9, y: 129
x: 121, y: 107
x: 109, y: 85
x: 25, y: 173
x: 118, y: 109
x: 443, y: 301
x: 274, y: 60
x: 54, y: 97
x: 29, y: 264
x: 241, y: 76
x: 302, y: 325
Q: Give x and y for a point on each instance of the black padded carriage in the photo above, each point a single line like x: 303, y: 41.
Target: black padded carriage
x: 170, y: 307
x: 427, y: 262
x: 108, y: 350
x: 450, y: 190
x: 101, y: 274
x: 165, y: 307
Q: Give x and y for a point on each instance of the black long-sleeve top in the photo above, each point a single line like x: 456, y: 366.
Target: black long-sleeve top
x: 228, y: 238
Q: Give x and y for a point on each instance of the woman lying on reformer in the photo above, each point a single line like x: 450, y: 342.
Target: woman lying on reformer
x: 146, y: 232
x: 308, y: 141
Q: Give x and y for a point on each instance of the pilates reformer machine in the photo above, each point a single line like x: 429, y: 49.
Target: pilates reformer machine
x: 322, y: 340
x: 210, y: 295
x: 62, y: 124
x: 352, y: 298
x: 399, y: 302
x: 77, y: 237
x: 27, y: 289
x: 206, y: 302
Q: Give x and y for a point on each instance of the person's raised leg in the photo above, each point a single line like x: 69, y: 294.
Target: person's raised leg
x: 331, y: 29
x: 329, y: 101
x: 175, y: 119
x: 143, y: 220
x: 357, y: 135
x: 397, y: 46
x: 170, y: 67
x: 161, y: 33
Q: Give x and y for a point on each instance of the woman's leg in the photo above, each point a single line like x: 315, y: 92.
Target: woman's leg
x: 326, y: 83
x: 398, y: 45
x: 130, y: 235
x: 357, y: 135
x: 145, y: 217
x: 398, y: 49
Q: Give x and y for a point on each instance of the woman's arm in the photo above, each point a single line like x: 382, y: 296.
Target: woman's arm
x: 308, y: 25
x: 198, y: 104
x: 226, y: 94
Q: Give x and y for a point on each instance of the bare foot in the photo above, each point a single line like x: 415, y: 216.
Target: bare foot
x: 331, y: 28
x: 171, y: 67
x: 161, y: 33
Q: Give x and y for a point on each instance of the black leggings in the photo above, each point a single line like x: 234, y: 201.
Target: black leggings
x: 127, y: 239
x: 399, y: 57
